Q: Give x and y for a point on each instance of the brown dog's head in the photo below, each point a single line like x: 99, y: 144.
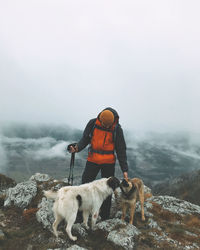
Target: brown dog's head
x: 127, y: 185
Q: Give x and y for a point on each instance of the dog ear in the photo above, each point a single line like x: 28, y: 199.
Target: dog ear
x: 125, y: 183
x: 113, y: 182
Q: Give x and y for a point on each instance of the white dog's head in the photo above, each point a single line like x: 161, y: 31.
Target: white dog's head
x: 113, y: 182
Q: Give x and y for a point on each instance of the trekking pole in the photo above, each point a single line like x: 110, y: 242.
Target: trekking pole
x: 71, y: 174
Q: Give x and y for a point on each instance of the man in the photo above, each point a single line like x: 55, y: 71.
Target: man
x: 105, y: 136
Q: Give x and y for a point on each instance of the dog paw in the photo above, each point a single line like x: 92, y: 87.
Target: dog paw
x: 74, y: 238
x: 55, y: 233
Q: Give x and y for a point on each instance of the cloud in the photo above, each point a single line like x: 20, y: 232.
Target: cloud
x: 58, y: 150
x: 37, y: 149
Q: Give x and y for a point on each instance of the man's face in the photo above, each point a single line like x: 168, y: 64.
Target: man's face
x: 106, y: 126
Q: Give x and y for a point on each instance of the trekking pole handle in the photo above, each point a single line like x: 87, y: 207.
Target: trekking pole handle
x: 72, y: 148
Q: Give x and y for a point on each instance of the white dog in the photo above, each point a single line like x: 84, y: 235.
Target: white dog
x: 86, y: 197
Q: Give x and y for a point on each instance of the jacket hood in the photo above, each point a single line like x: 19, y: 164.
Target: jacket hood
x: 113, y: 111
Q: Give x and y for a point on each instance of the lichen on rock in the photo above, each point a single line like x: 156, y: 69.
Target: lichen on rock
x: 21, y: 195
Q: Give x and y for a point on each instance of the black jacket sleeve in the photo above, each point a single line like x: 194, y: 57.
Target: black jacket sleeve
x: 86, y: 138
x: 120, y: 147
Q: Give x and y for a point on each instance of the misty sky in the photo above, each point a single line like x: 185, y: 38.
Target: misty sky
x: 64, y: 61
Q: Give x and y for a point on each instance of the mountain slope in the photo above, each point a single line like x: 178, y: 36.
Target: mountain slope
x: 186, y: 187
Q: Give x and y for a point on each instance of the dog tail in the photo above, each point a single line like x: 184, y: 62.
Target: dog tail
x: 50, y: 194
x: 147, y: 195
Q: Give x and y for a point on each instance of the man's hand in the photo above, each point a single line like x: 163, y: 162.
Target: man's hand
x: 125, y: 175
x: 72, y: 148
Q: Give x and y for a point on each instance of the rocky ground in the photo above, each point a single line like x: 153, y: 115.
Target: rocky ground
x: 26, y: 220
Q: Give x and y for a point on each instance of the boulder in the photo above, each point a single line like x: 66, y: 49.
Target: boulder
x: 175, y: 205
x: 21, y: 195
x: 40, y: 177
x: 45, y: 214
x: 124, y: 236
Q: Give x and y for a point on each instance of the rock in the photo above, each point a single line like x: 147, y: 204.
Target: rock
x: 40, y: 177
x: 147, y: 190
x: 79, y: 229
x: 175, y: 205
x: 109, y: 225
x: 59, y: 243
x: 153, y: 224
x: 119, y: 232
x: 21, y: 195
x: 45, y: 214
x: 190, y: 234
x: 124, y: 236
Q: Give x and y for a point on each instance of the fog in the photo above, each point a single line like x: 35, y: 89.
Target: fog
x: 38, y: 149
x: 64, y: 61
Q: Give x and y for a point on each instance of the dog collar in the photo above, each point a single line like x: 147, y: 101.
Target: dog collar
x: 127, y: 195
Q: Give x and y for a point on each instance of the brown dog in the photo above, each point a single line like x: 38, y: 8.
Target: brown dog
x: 132, y: 189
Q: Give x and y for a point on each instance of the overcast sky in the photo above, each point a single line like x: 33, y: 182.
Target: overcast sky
x: 64, y: 61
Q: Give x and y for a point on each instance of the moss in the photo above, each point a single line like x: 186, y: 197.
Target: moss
x: 192, y: 221
x: 146, y: 240
x: 176, y: 230
x: 20, y: 232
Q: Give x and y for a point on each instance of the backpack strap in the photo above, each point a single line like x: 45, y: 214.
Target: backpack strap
x: 115, y: 132
x: 92, y: 130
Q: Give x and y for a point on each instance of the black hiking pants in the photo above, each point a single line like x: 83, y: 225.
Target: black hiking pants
x: 90, y: 173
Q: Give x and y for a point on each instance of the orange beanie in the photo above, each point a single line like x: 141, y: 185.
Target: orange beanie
x: 106, y: 118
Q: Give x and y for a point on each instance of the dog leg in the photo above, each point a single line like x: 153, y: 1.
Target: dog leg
x: 94, y: 219
x: 70, y: 223
x: 55, y: 224
x: 141, y: 197
x: 85, y: 218
x: 132, y: 212
x: 124, y: 208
